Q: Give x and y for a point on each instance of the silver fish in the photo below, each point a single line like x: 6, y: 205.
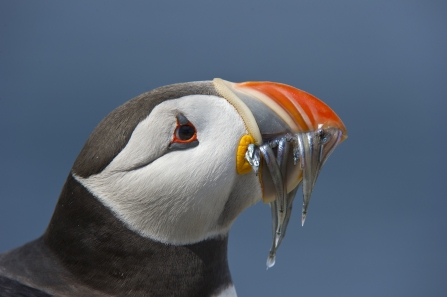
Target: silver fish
x: 310, y: 150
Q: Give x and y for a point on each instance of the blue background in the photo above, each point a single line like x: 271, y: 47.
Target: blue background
x: 377, y: 221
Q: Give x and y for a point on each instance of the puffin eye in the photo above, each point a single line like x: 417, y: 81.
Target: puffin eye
x: 185, y: 135
x: 185, y: 132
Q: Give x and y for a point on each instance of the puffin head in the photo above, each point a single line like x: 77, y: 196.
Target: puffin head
x: 172, y: 164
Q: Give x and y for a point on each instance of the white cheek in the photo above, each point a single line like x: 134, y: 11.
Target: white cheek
x: 149, y: 140
x: 178, y: 196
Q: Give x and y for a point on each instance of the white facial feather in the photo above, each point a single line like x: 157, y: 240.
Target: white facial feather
x: 183, y: 196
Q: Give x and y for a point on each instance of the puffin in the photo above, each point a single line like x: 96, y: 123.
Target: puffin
x: 147, y: 207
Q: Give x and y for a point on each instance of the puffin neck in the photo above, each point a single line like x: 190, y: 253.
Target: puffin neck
x: 106, y: 256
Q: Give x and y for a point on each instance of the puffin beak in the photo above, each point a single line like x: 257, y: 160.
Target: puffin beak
x: 301, y: 111
x: 290, y: 110
x: 286, y: 124
x: 278, y: 109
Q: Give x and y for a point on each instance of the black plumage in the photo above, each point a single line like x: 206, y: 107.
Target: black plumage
x: 87, y: 251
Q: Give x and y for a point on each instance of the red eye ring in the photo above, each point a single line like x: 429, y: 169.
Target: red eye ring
x: 185, y: 133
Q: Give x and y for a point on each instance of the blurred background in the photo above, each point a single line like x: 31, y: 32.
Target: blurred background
x: 377, y: 223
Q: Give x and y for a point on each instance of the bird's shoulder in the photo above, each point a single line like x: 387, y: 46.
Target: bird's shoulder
x: 13, y: 288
